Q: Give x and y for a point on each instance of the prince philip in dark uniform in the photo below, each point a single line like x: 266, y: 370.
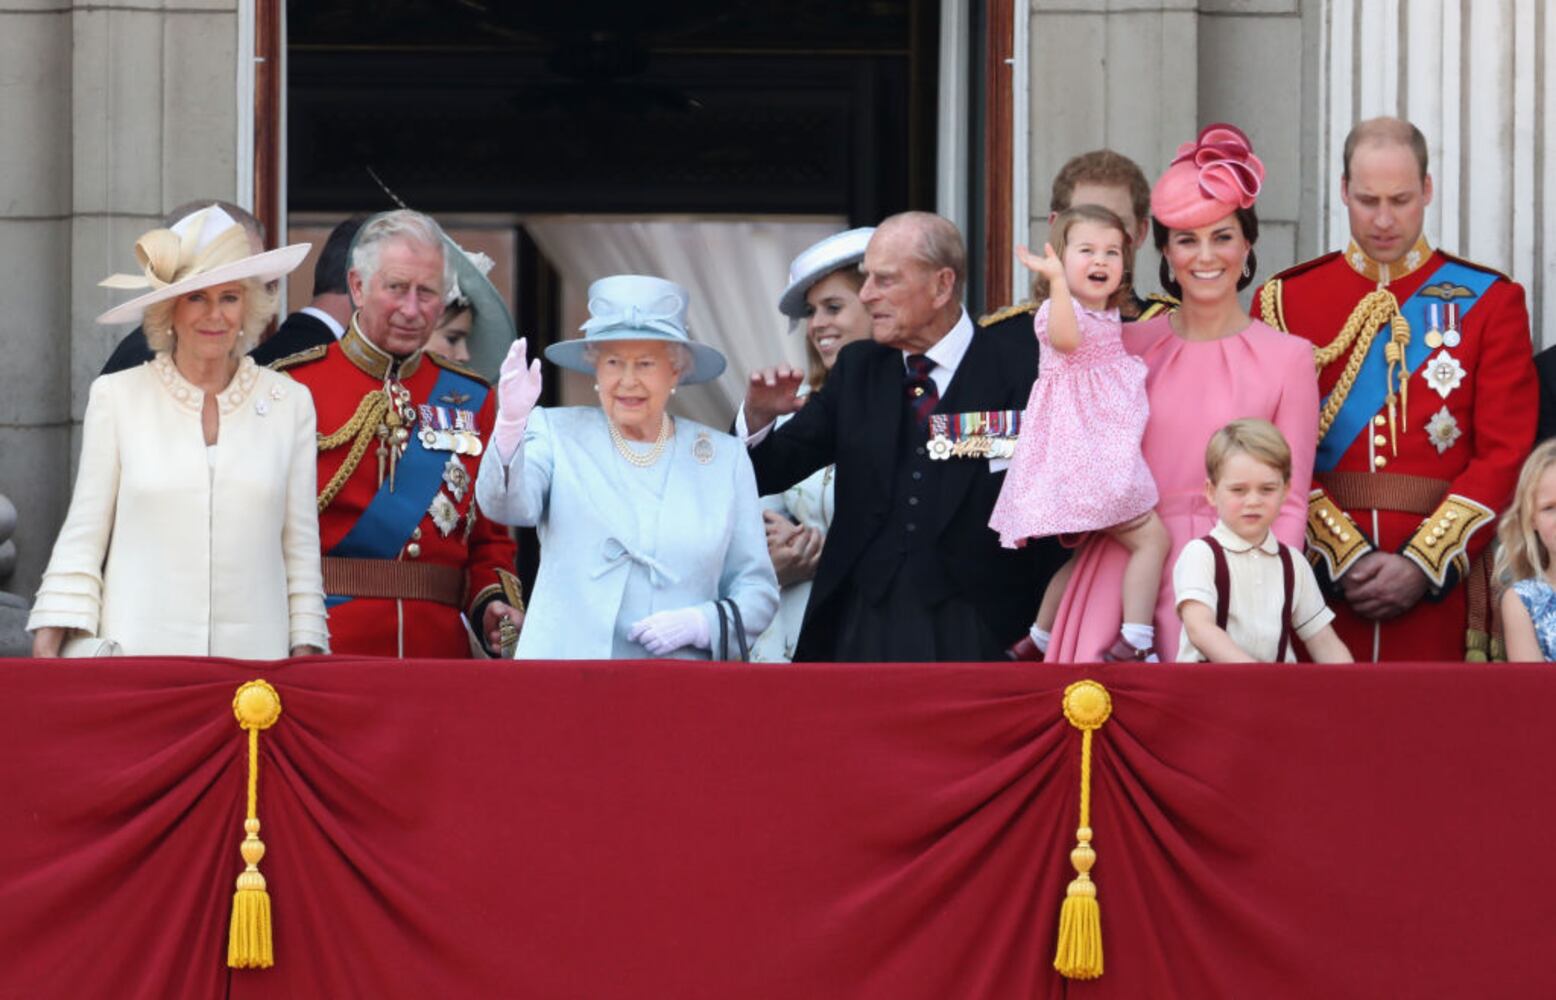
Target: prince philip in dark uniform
x: 911, y: 570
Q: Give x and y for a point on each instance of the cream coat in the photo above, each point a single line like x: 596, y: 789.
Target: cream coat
x: 620, y: 543
x: 167, y: 555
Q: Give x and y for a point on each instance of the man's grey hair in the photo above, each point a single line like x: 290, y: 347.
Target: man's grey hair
x: 401, y: 224
x: 938, y: 244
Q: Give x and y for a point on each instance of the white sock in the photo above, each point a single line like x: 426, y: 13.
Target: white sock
x: 1040, y: 637
x: 1139, y: 636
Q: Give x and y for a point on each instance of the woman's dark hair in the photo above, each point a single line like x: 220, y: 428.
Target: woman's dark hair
x: 1247, y: 220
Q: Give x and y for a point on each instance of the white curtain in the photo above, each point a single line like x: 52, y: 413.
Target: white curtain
x: 733, y: 270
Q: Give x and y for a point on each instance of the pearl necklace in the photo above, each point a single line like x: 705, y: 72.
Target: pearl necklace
x: 641, y: 459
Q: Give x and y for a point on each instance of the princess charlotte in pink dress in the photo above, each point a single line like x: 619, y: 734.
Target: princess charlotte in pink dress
x: 1078, y: 465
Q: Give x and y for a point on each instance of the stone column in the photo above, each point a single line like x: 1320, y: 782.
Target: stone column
x: 1142, y: 76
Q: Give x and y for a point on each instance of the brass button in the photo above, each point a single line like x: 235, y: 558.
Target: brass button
x: 1345, y: 536
x: 415, y: 534
x: 1379, y: 461
x: 1379, y: 420
x: 918, y: 390
x: 1444, y: 524
x: 1379, y: 440
x: 1451, y: 515
x: 413, y: 550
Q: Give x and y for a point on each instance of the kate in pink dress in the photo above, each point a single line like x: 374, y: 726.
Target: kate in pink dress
x: 1077, y: 466
x: 1194, y: 388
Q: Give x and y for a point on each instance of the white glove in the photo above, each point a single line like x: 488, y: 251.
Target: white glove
x: 517, y: 389
x: 665, y: 632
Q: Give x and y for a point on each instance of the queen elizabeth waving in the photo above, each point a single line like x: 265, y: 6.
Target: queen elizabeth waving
x: 650, y: 528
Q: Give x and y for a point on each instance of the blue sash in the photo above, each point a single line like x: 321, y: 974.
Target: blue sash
x: 1369, y: 393
x: 388, y: 521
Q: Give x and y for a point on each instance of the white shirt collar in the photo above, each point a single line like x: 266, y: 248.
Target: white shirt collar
x: 325, y: 318
x: 947, y: 353
x: 1233, y: 542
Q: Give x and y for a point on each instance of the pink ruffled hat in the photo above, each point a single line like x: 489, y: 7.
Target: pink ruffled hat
x: 1209, y: 179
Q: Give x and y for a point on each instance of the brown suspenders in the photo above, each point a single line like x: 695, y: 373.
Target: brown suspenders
x: 1224, y: 592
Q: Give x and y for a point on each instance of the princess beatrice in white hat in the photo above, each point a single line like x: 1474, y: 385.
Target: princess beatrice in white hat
x: 823, y: 296
x: 193, y: 529
x: 650, y: 528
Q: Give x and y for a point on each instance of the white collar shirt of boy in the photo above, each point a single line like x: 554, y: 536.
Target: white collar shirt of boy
x: 1258, y: 591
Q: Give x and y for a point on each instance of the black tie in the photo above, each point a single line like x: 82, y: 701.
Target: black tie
x: 922, y: 394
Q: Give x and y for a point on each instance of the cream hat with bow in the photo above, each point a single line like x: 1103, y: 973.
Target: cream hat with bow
x: 204, y: 248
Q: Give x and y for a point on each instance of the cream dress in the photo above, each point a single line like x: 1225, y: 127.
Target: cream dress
x: 169, y: 550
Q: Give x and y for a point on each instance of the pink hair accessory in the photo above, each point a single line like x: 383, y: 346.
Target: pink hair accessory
x: 1209, y: 179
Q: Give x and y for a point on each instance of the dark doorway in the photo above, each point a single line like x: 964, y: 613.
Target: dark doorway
x: 519, y: 106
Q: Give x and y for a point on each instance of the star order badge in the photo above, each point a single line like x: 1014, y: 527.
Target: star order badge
x: 444, y: 514
x: 1444, y: 374
x: 1443, y: 429
x: 457, y: 478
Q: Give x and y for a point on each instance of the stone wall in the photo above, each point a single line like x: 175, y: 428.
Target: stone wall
x: 1142, y: 76
x: 117, y: 112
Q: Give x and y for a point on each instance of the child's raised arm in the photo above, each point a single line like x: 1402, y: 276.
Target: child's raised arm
x: 1063, y: 330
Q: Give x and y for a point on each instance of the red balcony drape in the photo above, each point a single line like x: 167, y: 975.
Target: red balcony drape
x: 714, y: 831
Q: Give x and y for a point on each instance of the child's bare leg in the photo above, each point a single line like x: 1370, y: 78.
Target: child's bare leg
x: 1148, y: 543
x: 1053, y: 594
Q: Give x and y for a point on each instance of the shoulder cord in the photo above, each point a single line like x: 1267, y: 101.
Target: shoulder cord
x: 362, y: 428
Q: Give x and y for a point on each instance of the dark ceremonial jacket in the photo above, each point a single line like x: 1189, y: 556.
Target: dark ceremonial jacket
x: 855, y: 421
x: 1545, y: 367
x: 129, y: 352
x: 298, y: 332
x: 445, y: 532
x: 1426, y: 475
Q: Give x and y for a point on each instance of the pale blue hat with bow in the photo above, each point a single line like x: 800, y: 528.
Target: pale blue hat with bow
x: 637, y: 307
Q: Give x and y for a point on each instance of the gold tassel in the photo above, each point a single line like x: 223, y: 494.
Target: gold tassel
x: 257, y: 706
x: 1079, y: 954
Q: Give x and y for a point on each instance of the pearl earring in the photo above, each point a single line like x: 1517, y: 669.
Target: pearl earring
x: 596, y: 387
x: 1247, y: 272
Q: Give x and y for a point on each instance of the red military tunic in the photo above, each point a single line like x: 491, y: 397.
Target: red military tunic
x: 1428, y: 482
x: 404, y: 599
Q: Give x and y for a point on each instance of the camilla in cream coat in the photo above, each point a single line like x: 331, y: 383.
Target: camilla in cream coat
x: 193, y: 529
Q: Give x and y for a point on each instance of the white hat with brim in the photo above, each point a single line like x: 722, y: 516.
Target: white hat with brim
x: 815, y: 262
x: 492, y: 330
x: 636, y: 307
x: 203, y: 249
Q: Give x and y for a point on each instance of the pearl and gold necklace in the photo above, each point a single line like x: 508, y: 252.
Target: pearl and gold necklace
x: 641, y: 459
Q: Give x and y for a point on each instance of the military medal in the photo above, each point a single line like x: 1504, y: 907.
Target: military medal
x: 978, y: 434
x: 457, y: 477
x: 1444, y: 373
x: 702, y: 449
x: 1451, y: 337
x: 444, y: 514
x: 1434, y: 329
x: 394, y: 434
x: 1443, y: 430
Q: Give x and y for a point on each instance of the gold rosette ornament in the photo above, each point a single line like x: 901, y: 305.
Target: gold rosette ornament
x: 1087, y: 706
x: 257, y: 706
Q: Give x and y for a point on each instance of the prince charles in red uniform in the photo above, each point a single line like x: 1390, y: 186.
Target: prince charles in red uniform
x: 1429, y: 403
x: 408, y: 556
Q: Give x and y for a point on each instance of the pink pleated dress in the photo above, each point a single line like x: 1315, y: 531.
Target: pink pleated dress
x: 1077, y: 466
x: 1195, y: 388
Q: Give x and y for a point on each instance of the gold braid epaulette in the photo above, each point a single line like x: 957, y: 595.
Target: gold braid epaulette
x: 360, y: 430
x: 1373, y: 311
x: 1272, y: 306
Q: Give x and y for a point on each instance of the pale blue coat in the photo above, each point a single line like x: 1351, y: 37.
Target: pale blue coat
x: 619, y: 543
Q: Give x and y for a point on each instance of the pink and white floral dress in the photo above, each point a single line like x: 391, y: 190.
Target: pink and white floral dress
x: 1077, y: 465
